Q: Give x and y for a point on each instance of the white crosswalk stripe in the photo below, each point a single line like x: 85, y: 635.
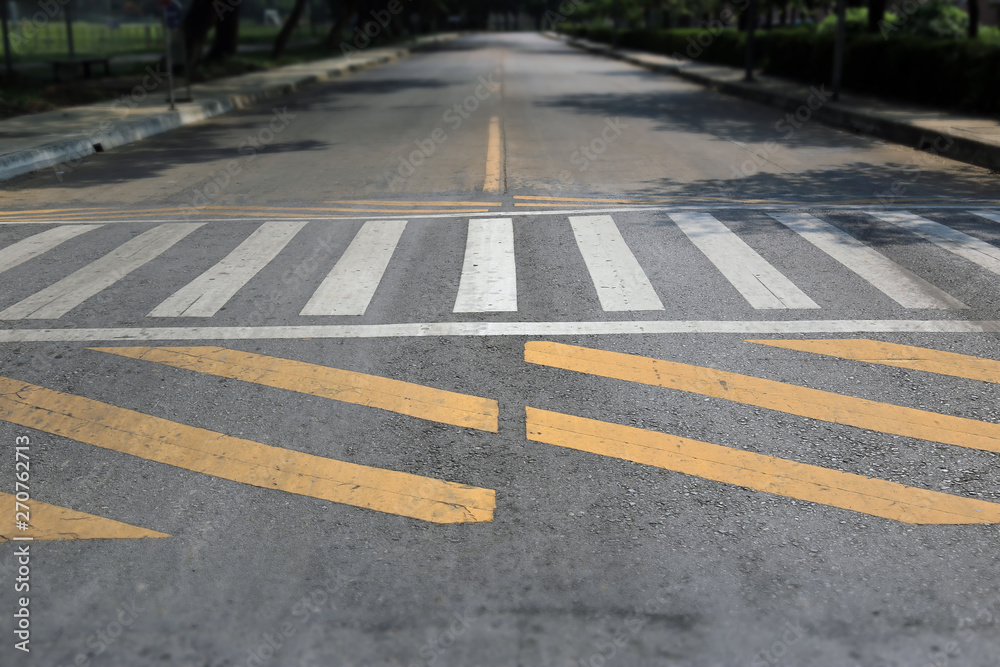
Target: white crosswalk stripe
x: 952, y: 240
x: 989, y: 215
x: 762, y: 285
x: 351, y: 284
x: 58, y: 299
x: 487, y: 281
x: 489, y: 274
x: 36, y: 244
x: 206, y: 294
x: 620, y: 282
x: 899, y: 284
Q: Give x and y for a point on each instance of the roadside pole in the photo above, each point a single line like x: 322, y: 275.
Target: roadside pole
x: 751, y: 28
x: 166, y: 4
x: 7, y: 58
x: 838, y: 49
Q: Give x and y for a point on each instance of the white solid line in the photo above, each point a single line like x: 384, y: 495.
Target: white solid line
x: 489, y: 275
x: 58, y: 299
x: 989, y: 215
x: 952, y: 240
x: 485, y: 329
x: 620, y: 282
x: 206, y: 294
x: 36, y: 244
x: 762, y: 285
x: 352, y: 282
x: 899, y: 284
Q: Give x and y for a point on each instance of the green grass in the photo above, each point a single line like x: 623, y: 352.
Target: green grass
x: 96, y: 39
x: 49, y: 40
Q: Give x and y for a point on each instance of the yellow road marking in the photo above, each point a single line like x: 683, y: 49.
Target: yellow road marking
x: 902, y: 356
x: 493, y: 158
x: 789, y: 398
x: 578, y: 205
x: 373, y: 391
x: 239, y: 460
x: 266, y: 214
x: 415, y: 203
x: 51, y: 522
x: 50, y: 210
x: 757, y: 471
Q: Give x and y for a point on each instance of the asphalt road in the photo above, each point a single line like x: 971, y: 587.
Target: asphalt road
x: 203, y: 336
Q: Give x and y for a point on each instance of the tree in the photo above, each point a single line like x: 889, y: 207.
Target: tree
x: 281, y: 41
x: 876, y: 14
x: 973, y: 19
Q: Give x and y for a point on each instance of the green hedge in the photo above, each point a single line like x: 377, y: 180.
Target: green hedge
x: 959, y: 73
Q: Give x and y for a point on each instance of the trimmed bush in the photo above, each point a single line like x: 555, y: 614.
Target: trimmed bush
x: 951, y: 73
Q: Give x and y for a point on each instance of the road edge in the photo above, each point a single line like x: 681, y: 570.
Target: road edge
x: 47, y: 155
x: 961, y: 149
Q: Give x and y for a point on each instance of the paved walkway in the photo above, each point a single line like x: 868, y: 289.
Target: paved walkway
x: 37, y: 141
x: 963, y: 137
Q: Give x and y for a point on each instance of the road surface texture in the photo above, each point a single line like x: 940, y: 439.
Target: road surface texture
x: 502, y: 355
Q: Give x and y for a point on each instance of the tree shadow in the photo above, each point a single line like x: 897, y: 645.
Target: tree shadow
x: 707, y: 112
x: 891, y: 184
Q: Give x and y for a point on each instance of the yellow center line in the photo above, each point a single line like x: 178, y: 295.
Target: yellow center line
x: 50, y: 210
x: 51, y: 522
x: 239, y: 460
x: 415, y: 203
x: 493, y: 158
x: 901, y: 356
x: 788, y: 398
x: 757, y: 471
x: 577, y: 205
x: 406, y: 398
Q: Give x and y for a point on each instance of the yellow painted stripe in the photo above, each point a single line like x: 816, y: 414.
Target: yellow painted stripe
x: 901, y: 356
x: 493, y: 158
x: 51, y: 522
x: 802, y: 401
x: 578, y: 205
x: 239, y: 460
x: 414, y: 203
x: 757, y: 471
x: 49, y: 210
x: 406, y: 398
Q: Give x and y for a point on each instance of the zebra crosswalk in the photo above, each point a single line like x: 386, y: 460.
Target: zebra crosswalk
x: 490, y: 280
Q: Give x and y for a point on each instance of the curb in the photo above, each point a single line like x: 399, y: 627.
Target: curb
x: 123, y: 133
x: 959, y: 148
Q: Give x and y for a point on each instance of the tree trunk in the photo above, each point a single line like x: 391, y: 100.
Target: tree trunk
x: 198, y: 21
x: 281, y: 41
x: 876, y: 14
x: 227, y: 34
x: 973, y: 19
x: 342, y: 11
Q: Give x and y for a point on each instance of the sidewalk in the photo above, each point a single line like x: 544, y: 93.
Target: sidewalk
x: 37, y: 141
x: 971, y: 139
